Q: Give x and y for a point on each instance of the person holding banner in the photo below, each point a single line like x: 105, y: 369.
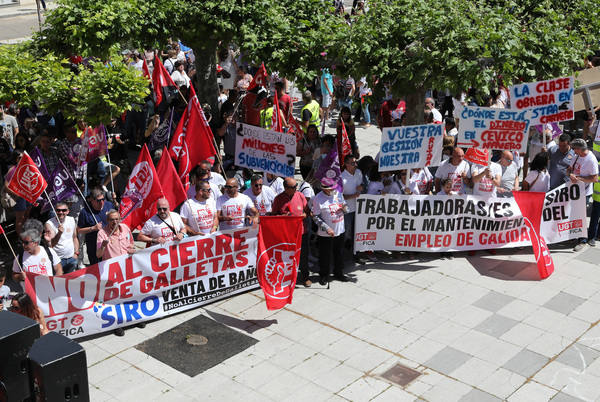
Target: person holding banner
x: 486, y: 179
x: 455, y: 169
x: 328, y: 209
x: 35, y: 258
x: 63, y: 232
x: 261, y: 196
x: 509, y: 181
x: 199, y: 214
x: 115, y: 238
x: 233, y: 208
x: 164, y: 226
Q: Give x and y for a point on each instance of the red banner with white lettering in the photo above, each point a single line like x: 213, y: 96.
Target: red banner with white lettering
x: 531, y: 205
x: 278, y: 256
x: 344, y: 146
x: 143, y: 189
x: 27, y: 181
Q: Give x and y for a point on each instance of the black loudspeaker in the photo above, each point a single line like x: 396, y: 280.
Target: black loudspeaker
x: 58, y: 369
x: 17, y: 334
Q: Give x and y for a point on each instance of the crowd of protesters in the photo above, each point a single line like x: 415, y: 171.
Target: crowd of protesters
x: 87, y: 228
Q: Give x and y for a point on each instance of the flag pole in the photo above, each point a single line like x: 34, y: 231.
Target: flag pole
x: 11, y: 249
x: 82, y: 197
x: 112, y: 184
x: 50, y: 202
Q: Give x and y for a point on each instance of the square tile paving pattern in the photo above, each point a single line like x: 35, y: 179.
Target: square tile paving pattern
x: 526, y: 363
x: 493, y: 301
x: 564, y: 303
x: 578, y: 356
x: 447, y: 360
x: 401, y: 375
x: 172, y: 347
x: 496, y: 325
x: 476, y: 395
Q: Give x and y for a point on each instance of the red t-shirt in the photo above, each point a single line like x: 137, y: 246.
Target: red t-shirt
x: 296, y: 205
x: 252, y: 114
x: 385, y: 112
x: 285, y: 103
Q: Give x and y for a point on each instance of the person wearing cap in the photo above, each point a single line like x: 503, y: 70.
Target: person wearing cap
x: 328, y: 208
x: 584, y: 169
x: 311, y: 111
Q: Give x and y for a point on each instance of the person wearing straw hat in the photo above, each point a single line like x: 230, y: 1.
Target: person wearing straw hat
x: 328, y: 209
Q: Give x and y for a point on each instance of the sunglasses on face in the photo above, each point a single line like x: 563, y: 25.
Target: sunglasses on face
x: 294, y: 186
x: 99, y: 199
x: 62, y: 210
x: 205, y: 190
x: 26, y: 242
x: 228, y: 187
x: 162, y: 209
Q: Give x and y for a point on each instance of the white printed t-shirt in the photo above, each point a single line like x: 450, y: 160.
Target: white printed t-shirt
x: 351, y: 182
x: 448, y: 171
x: 236, y: 208
x: 214, y: 191
x: 585, y: 166
x: 264, y: 201
x: 156, y: 228
x: 486, y: 186
x: 65, y: 247
x: 38, y: 264
x: 421, y: 181
x: 331, y: 210
x: 200, y: 215
x: 276, y: 185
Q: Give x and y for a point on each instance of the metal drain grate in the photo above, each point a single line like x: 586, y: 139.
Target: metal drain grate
x: 401, y: 375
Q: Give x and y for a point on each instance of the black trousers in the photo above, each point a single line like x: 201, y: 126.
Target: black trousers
x: 303, y: 266
x: 329, y: 246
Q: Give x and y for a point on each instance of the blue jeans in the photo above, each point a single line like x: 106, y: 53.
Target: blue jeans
x: 68, y: 264
x: 345, y: 102
x: 366, y: 114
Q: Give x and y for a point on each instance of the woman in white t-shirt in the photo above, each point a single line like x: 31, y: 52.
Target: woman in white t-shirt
x: 538, y: 178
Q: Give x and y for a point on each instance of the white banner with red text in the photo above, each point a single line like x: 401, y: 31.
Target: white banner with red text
x: 152, y: 283
x: 440, y: 223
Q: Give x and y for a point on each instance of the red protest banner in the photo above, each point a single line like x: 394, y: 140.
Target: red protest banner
x: 170, y: 182
x: 143, y: 189
x: 278, y: 255
x: 27, y: 181
x: 531, y: 205
x: 343, y: 143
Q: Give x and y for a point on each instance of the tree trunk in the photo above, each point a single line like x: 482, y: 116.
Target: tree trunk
x: 205, y: 80
x: 415, y: 105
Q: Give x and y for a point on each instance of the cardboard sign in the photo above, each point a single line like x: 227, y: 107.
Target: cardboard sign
x: 549, y: 101
x: 411, y: 147
x: 265, y: 150
x: 588, y: 84
x: 492, y: 128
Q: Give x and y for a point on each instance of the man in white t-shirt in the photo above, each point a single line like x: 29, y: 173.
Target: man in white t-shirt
x: 63, y: 232
x: 35, y: 259
x: 486, y: 179
x: 584, y: 169
x: 213, y: 177
x: 352, y: 179
x: 430, y: 104
x: 233, y: 207
x: 455, y: 169
x: 261, y: 196
x: 328, y: 208
x: 164, y: 226
x: 199, y: 214
x: 275, y: 182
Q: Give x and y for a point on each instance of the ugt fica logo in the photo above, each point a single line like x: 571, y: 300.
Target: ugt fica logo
x: 280, y: 273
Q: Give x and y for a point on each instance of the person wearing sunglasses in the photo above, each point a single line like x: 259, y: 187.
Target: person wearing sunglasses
x: 262, y: 196
x: 62, y: 232
x: 233, y: 207
x: 199, y: 214
x: 509, y: 180
x: 35, y: 258
x: 91, y: 219
x: 164, y: 226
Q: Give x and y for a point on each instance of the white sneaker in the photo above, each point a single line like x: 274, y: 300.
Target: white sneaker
x: 580, y: 246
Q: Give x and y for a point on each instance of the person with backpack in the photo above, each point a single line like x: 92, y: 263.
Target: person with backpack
x: 345, y: 92
x: 35, y: 258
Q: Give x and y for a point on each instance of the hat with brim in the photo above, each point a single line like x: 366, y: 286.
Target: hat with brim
x: 327, y: 183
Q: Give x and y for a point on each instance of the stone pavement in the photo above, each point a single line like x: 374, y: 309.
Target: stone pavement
x: 476, y: 328
x: 18, y: 21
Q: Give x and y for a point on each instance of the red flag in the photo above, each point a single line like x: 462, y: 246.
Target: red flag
x: 344, y: 147
x: 295, y: 128
x: 531, y: 205
x: 478, y: 156
x: 170, y: 182
x: 260, y: 78
x: 162, y: 82
x: 193, y: 139
x: 1, y: 229
x: 276, y: 124
x: 145, y: 70
x: 279, y: 241
x: 143, y: 189
x: 27, y: 181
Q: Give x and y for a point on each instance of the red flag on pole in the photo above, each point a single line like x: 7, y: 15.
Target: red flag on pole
x: 193, y: 139
x: 343, y: 143
x: 276, y: 119
x: 27, y: 181
x: 143, y: 189
x: 531, y: 205
x: 170, y: 182
x: 260, y: 78
x: 279, y: 241
x: 162, y: 82
x: 295, y: 128
x: 145, y: 70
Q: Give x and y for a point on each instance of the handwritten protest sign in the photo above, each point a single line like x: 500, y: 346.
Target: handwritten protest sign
x: 493, y: 128
x: 411, y: 147
x: 265, y: 150
x: 549, y: 101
